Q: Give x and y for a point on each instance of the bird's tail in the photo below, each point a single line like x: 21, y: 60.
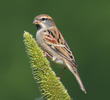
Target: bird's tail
x: 75, y: 73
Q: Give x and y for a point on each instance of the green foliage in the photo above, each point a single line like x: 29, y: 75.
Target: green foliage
x: 51, y: 87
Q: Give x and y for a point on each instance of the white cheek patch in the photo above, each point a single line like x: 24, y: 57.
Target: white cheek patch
x: 43, y: 25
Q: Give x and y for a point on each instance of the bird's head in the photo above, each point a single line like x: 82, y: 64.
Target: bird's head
x: 43, y: 21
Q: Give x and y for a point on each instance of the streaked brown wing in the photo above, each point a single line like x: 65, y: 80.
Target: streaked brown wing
x: 56, y: 41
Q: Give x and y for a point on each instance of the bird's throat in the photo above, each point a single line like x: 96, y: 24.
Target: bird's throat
x: 38, y: 26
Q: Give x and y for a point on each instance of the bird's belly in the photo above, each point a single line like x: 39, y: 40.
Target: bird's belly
x: 55, y: 57
x: 59, y: 61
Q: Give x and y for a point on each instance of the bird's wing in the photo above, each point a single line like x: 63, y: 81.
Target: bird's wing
x: 56, y: 41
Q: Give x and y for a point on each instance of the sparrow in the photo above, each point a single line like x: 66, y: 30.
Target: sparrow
x: 52, y: 43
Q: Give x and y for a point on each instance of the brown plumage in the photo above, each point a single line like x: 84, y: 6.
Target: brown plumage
x: 52, y: 42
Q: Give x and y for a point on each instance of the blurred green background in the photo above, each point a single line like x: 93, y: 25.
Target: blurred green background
x: 85, y: 24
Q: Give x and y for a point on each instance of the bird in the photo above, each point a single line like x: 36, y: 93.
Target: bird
x: 54, y: 46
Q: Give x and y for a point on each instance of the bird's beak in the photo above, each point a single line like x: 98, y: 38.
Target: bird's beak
x: 36, y: 22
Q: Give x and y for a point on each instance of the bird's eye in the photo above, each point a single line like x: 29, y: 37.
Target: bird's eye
x: 43, y: 19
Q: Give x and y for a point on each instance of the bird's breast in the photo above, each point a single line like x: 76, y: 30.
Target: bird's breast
x: 46, y: 48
